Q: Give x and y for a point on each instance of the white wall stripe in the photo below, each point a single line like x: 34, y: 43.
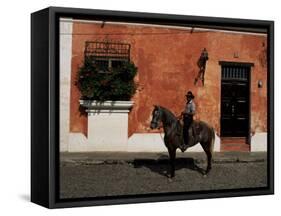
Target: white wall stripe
x: 65, y: 74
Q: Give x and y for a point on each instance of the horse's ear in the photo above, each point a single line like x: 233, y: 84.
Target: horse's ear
x: 155, y: 106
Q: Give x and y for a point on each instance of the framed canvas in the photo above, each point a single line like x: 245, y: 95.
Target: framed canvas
x: 139, y: 107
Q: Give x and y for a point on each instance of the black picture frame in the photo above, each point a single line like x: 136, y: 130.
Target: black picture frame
x: 45, y: 102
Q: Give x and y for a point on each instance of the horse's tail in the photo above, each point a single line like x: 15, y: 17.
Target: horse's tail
x: 213, y: 137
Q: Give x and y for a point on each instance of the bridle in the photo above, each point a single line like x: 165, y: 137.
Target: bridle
x: 159, y: 125
x: 156, y: 122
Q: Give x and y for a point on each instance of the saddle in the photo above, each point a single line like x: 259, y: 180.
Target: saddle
x: 194, y: 129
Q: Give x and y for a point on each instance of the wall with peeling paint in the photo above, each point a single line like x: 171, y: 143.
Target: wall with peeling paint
x: 167, y: 67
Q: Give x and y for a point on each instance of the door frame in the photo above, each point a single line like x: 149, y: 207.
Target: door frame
x: 240, y: 64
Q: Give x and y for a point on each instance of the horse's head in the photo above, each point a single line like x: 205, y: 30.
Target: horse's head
x: 156, y: 117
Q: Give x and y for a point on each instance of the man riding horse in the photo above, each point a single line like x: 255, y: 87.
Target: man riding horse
x: 197, y: 132
x: 187, y: 115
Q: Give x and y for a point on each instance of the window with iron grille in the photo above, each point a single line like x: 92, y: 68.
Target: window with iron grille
x: 107, y: 55
x: 235, y: 73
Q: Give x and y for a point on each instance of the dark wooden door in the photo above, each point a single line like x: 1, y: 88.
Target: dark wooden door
x: 235, y: 101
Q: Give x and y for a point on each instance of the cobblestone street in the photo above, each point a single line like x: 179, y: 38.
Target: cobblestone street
x: 82, y: 176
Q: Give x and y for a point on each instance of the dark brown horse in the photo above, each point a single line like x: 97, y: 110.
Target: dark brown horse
x: 201, y: 133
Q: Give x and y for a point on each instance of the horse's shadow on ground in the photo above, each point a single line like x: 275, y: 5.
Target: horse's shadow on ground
x: 162, y: 165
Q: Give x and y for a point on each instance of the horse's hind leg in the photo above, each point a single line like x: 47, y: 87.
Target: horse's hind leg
x: 208, y: 150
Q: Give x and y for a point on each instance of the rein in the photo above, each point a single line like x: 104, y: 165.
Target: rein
x: 162, y: 138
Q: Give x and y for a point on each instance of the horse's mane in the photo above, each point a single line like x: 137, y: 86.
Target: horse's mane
x: 170, y: 117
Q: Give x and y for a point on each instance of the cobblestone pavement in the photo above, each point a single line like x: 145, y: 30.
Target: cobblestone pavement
x: 83, y: 175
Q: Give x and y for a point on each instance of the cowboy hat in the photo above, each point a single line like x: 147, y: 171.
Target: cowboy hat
x: 189, y: 94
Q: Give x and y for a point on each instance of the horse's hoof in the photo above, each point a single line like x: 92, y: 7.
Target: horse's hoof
x: 205, y: 175
x: 170, y: 179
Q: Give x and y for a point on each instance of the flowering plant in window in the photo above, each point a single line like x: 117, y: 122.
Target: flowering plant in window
x: 114, y: 83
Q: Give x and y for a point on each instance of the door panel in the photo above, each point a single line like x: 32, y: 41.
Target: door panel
x: 235, y: 101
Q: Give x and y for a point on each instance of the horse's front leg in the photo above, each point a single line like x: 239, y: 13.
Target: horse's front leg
x: 172, y: 154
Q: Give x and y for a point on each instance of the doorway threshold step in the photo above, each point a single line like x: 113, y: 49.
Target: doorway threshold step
x: 234, y: 144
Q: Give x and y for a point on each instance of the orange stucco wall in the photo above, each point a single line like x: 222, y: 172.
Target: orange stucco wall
x: 167, y: 66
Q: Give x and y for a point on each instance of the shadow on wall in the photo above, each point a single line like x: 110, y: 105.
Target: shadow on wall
x: 201, y: 63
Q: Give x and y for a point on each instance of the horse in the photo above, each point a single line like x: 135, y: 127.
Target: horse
x: 199, y: 132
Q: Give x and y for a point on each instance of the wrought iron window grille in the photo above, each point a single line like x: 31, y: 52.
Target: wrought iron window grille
x: 107, y: 55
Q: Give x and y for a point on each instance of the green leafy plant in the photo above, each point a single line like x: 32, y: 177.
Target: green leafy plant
x: 116, y: 83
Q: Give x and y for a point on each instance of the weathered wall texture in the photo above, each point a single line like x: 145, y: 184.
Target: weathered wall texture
x: 167, y: 66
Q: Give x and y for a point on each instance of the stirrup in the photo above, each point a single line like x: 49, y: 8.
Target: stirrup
x: 183, y: 147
